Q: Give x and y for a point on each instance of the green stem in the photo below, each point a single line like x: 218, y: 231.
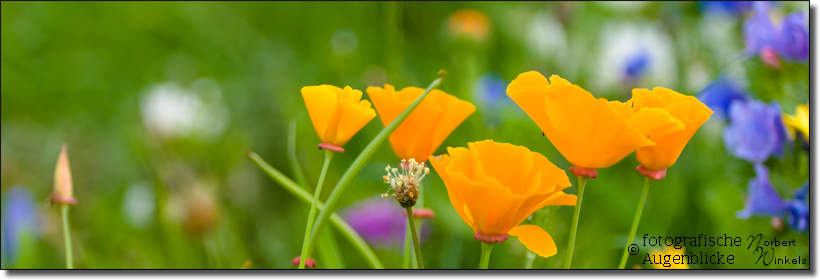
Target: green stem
x: 69, y: 262
x: 486, y: 249
x: 416, y: 245
x: 406, y: 262
x: 336, y: 220
x: 312, y: 213
x: 360, y: 161
x: 530, y: 259
x: 582, y: 181
x: 294, y: 161
x: 635, y: 223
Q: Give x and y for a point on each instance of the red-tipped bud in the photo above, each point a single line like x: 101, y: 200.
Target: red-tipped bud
x: 490, y: 239
x: 331, y: 147
x: 311, y: 263
x: 423, y: 213
x: 651, y: 174
x: 63, y: 190
x: 591, y: 173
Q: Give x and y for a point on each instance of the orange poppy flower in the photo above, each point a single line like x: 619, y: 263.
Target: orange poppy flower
x: 495, y: 186
x: 427, y: 126
x: 669, y: 119
x: 470, y: 23
x: 63, y: 188
x: 665, y: 259
x: 337, y: 114
x: 591, y: 133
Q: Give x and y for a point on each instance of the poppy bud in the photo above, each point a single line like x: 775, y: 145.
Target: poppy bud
x: 63, y: 190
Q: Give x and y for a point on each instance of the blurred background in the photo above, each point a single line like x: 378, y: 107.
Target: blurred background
x: 160, y: 101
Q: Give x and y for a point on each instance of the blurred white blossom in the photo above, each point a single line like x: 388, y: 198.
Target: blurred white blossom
x: 139, y: 204
x: 622, y: 46
x: 172, y: 111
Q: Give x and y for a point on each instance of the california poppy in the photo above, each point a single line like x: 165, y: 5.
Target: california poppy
x: 669, y: 119
x: 427, y: 126
x: 799, y: 121
x: 337, y: 114
x: 495, y: 186
x: 591, y: 133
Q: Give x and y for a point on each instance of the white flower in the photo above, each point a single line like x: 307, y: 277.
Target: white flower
x: 171, y: 111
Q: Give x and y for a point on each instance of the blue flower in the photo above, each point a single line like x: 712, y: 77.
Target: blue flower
x: 720, y: 93
x: 19, y: 217
x: 735, y: 8
x: 756, y: 130
x: 797, y: 213
x: 759, y: 31
x: 637, y: 65
x: 490, y: 90
x: 802, y: 193
x: 762, y: 199
x: 794, y: 38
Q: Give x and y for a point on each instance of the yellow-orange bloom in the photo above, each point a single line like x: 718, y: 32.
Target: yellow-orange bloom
x: 427, y: 126
x: 799, y: 121
x: 469, y: 23
x: 495, y: 186
x: 337, y: 114
x: 591, y: 133
x: 665, y: 259
x: 667, y: 118
x: 63, y: 188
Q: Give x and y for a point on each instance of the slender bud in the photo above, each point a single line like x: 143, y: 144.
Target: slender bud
x: 63, y: 190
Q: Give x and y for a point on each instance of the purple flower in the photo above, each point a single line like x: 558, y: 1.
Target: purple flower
x: 762, y: 200
x: 759, y: 30
x: 802, y: 193
x: 637, y: 65
x: 794, y: 38
x: 381, y: 222
x: 19, y: 217
x: 797, y: 213
x: 720, y: 93
x: 756, y: 130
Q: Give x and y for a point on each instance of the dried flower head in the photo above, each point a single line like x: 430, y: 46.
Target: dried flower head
x: 405, y: 183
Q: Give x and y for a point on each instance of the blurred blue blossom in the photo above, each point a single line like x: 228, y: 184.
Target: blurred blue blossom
x: 490, y: 96
x: 636, y: 65
x: 797, y: 213
x: 794, y: 37
x: 762, y: 199
x: 759, y: 31
x: 802, y: 193
x: 735, y: 8
x: 756, y: 130
x: 381, y: 222
x: 790, y: 41
x: 720, y: 93
x: 19, y: 217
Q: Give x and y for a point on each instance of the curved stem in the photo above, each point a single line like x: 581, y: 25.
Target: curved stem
x: 69, y: 262
x: 344, y: 228
x: 416, y: 245
x: 582, y: 181
x: 530, y: 259
x: 307, y: 239
x: 406, y: 261
x: 635, y: 224
x: 486, y: 249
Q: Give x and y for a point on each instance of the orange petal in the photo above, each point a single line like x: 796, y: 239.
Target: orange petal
x: 655, y: 122
x: 352, y: 118
x: 320, y: 102
x: 536, y: 239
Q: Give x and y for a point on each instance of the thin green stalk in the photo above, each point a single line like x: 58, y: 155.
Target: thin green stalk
x: 530, y: 259
x: 416, y: 244
x: 411, y: 255
x: 368, y: 151
x: 328, y: 248
x: 294, y: 161
x: 69, y: 262
x: 406, y: 261
x: 336, y: 220
x: 312, y: 213
x: 486, y: 249
x: 635, y: 223
x: 582, y: 181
